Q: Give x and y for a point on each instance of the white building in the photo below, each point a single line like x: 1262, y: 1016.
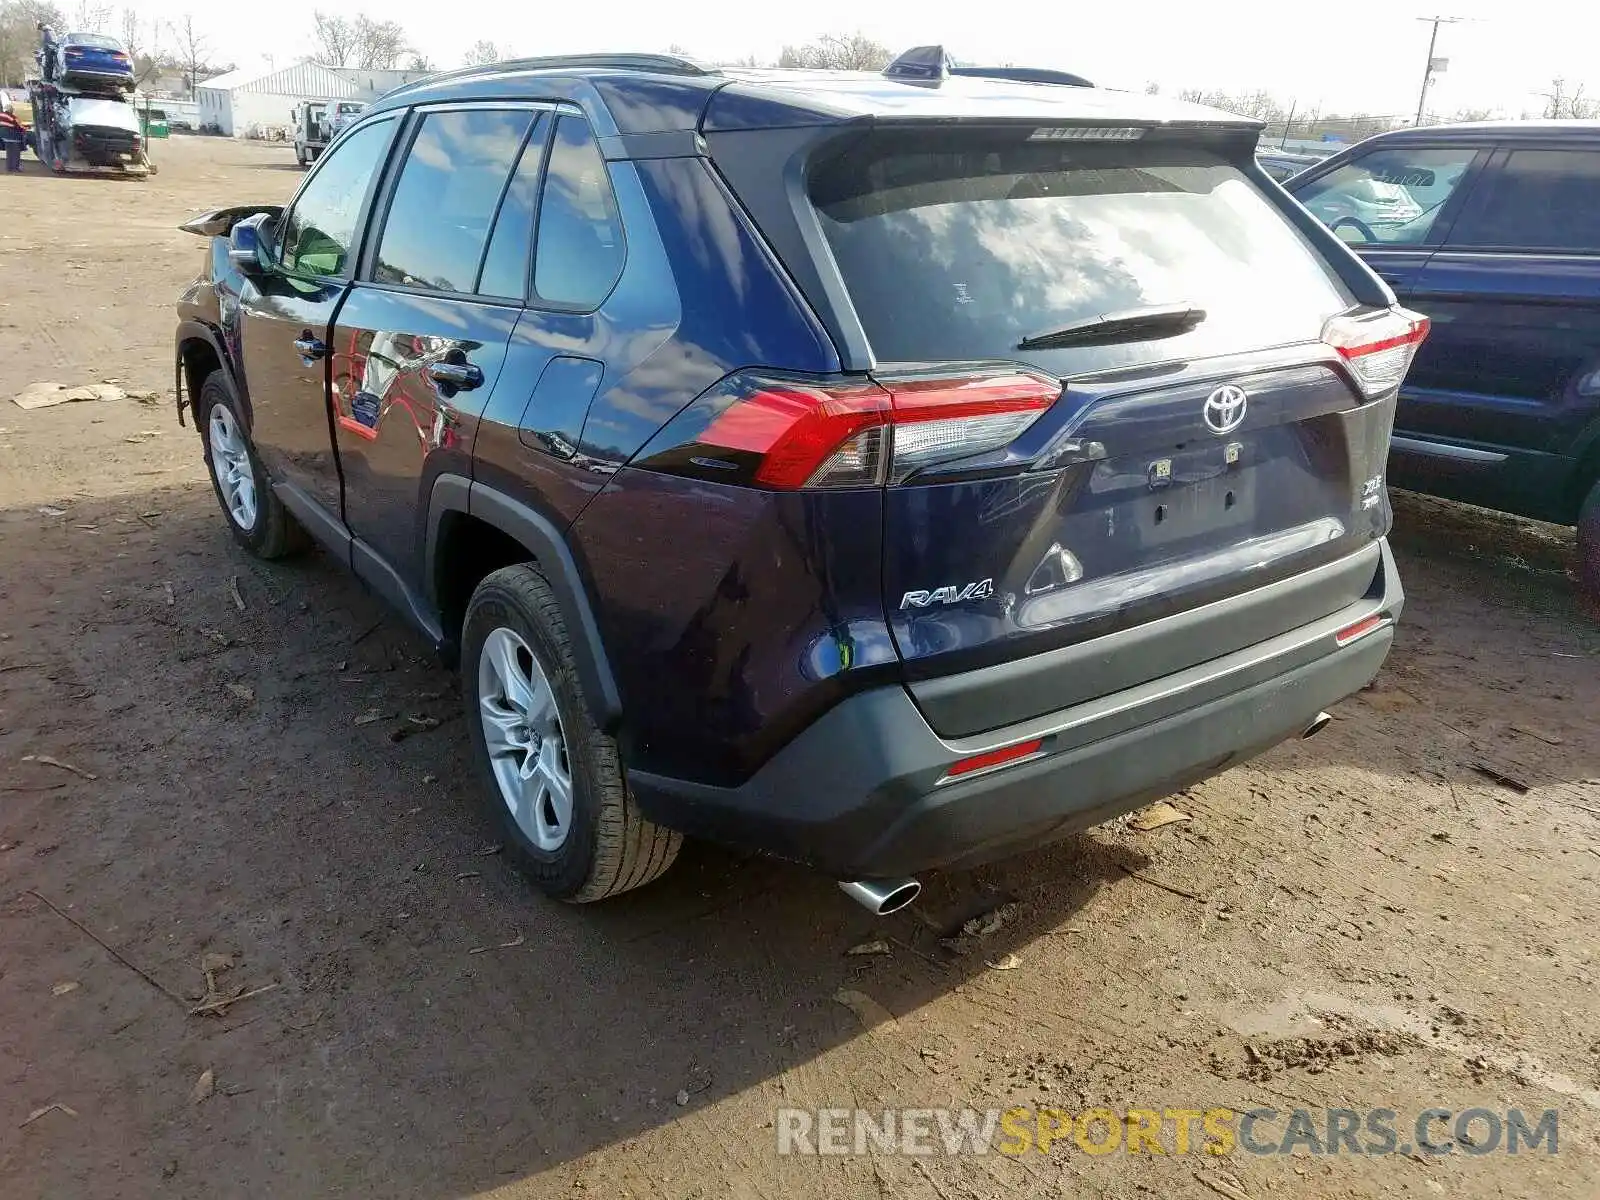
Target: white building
x: 375, y: 82
x: 242, y: 102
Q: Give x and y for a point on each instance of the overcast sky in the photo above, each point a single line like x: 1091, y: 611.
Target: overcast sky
x: 1365, y: 55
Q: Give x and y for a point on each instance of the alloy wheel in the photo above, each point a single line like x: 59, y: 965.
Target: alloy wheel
x: 522, y: 732
x: 230, y: 462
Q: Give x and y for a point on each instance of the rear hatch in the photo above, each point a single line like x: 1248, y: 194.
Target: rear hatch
x: 1181, y: 430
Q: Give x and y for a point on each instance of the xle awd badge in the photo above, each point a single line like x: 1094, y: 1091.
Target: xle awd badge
x: 980, y: 590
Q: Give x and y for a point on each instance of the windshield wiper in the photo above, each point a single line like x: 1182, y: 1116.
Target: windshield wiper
x: 1134, y: 325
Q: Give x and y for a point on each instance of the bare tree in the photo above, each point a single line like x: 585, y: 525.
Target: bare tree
x: 191, y: 49
x: 19, y: 35
x: 336, y: 40
x: 484, y: 52
x: 380, y: 45
x: 838, y: 52
x: 143, y: 40
x: 89, y: 17
x: 420, y: 62
x: 359, y: 42
x: 1258, y: 105
x: 1566, y: 102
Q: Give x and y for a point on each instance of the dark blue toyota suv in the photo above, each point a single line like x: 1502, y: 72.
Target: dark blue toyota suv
x: 881, y: 472
x: 1493, y: 231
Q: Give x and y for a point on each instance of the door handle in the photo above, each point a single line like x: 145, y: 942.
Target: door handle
x: 310, y: 347
x: 462, y: 376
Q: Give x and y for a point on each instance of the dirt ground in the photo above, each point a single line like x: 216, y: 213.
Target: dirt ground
x: 1365, y: 920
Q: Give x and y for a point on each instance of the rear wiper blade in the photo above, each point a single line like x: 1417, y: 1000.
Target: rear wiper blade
x: 1136, y: 324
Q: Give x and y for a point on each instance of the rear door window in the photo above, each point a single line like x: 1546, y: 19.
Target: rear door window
x: 446, y: 197
x: 1391, y: 196
x: 505, y: 265
x: 580, y: 249
x: 959, y: 246
x: 1545, y: 200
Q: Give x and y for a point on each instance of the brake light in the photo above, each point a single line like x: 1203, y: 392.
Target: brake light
x: 799, y: 432
x: 786, y: 434
x: 1378, y: 346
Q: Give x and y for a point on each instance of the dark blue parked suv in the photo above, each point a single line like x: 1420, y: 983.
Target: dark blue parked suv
x: 881, y: 472
x: 1493, y: 231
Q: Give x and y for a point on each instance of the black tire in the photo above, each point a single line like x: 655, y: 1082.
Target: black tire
x: 609, y: 846
x: 273, y: 533
x: 1589, y: 543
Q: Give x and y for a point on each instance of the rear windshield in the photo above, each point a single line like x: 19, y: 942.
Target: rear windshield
x: 959, y: 247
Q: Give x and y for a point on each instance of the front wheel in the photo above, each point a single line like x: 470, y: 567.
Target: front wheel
x: 1589, y: 543
x: 255, y: 515
x: 552, y: 781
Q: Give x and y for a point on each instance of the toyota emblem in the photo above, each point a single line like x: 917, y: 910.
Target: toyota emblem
x: 1225, y: 408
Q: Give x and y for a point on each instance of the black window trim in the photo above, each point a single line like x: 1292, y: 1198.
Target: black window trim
x: 535, y: 301
x: 363, y: 215
x: 1503, y: 150
x: 1476, y: 168
x: 378, y: 216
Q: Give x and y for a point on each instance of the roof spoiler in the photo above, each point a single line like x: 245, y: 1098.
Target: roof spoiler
x: 931, y: 64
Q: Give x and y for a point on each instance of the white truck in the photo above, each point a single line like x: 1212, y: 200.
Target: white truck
x: 318, y: 122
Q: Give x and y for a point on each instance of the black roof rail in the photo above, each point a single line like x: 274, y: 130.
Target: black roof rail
x: 660, y: 64
x: 930, y: 64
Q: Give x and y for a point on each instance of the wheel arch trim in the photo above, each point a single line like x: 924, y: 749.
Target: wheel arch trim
x: 191, y: 331
x: 548, y: 547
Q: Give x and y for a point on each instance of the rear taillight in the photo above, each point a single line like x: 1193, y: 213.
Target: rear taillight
x: 1379, y: 346
x: 940, y: 419
x: 785, y: 434
x: 799, y: 435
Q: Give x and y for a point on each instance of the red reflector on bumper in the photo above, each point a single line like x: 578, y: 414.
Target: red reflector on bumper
x: 1360, y: 629
x: 994, y: 758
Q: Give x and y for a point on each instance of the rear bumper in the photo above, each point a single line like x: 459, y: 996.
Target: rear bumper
x: 863, y: 793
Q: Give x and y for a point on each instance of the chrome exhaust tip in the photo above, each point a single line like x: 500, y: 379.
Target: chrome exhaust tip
x: 880, y: 897
x: 1318, y: 724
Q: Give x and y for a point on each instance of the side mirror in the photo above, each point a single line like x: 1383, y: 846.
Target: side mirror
x: 249, y: 246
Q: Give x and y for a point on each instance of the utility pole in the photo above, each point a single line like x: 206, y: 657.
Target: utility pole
x: 1427, y: 69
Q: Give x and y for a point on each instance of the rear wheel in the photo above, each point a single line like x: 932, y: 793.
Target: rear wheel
x: 257, y: 517
x: 553, y: 781
x: 1589, y: 543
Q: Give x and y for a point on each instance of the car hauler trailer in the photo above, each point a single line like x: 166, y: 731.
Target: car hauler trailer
x: 77, y: 133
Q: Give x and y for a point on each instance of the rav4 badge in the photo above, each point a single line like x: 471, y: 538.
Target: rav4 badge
x: 980, y: 590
